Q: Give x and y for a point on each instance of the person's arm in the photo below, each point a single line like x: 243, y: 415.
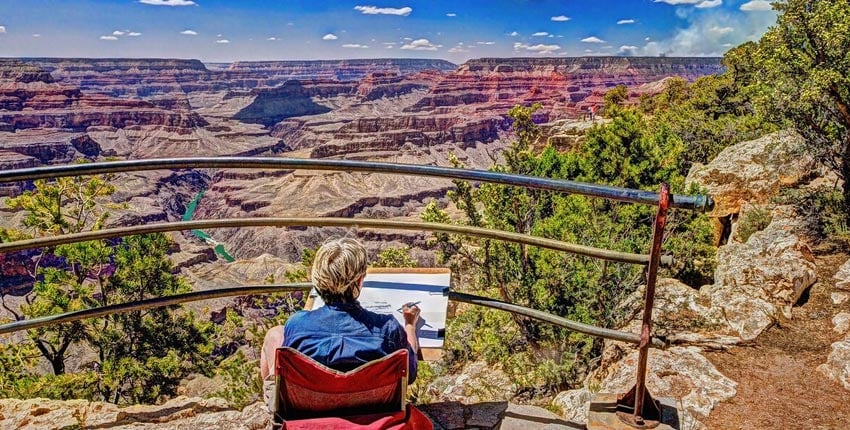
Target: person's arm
x: 411, y: 318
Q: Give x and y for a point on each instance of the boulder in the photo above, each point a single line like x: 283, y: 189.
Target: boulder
x: 752, y: 171
x: 574, y: 404
x: 679, y: 372
x: 838, y: 298
x: 841, y: 322
x: 842, y: 277
x: 837, y: 366
x: 477, y: 382
x: 757, y: 282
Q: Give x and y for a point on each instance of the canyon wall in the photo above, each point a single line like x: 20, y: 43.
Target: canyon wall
x: 55, y: 110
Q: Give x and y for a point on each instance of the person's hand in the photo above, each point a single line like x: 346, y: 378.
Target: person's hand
x: 411, y: 314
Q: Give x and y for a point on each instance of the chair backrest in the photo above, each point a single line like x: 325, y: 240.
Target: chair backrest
x: 308, y: 389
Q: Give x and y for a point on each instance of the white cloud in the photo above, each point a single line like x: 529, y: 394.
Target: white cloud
x: 189, y: 32
x: 457, y: 49
x: 540, y: 34
x: 720, y: 31
x: 451, y: 15
x: 272, y: 39
x: 36, y: 35
x: 706, y: 33
x: 756, y: 6
x: 329, y: 36
x: 134, y: 34
x: 707, y: 4
x: 702, y: 4
x: 592, y: 39
x: 628, y: 50
x: 118, y: 33
x: 374, y: 10
x: 355, y: 46
x: 222, y: 41
x: 486, y: 43
x: 560, y: 18
x: 108, y: 38
x: 169, y: 2
x: 539, y: 48
x: 625, y: 21
x: 2, y: 29
x: 678, y: 2
x: 421, y: 45
x: 514, y: 34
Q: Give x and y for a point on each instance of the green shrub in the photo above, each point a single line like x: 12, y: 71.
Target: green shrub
x: 755, y: 220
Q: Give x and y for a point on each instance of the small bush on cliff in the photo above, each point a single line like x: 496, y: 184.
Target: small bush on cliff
x: 755, y: 220
x: 395, y: 257
x: 707, y: 116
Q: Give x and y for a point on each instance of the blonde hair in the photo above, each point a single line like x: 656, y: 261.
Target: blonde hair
x: 337, y: 269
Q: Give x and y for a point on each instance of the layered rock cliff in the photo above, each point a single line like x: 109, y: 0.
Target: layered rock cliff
x: 398, y: 110
x: 31, y: 98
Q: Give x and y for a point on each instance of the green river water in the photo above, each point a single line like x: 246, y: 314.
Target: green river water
x: 190, y: 212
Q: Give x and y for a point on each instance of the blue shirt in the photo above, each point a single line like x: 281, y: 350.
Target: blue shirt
x: 344, y: 336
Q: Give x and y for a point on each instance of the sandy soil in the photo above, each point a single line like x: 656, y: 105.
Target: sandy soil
x: 779, y: 386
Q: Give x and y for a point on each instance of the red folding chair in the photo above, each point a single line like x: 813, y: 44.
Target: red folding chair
x: 309, y: 395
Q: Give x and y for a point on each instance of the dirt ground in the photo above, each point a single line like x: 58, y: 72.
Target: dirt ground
x: 779, y: 386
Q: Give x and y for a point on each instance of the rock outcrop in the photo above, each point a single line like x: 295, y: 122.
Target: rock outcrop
x: 837, y: 366
x: 681, y: 373
x: 213, y: 414
x: 178, y: 413
x: 753, y: 171
x: 476, y: 382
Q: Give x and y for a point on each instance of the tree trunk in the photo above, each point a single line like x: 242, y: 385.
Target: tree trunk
x: 58, y: 363
x: 845, y: 175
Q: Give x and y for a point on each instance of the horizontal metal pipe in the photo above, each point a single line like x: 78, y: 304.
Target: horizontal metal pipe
x: 148, y: 304
x: 604, y: 254
x: 697, y: 203
x: 553, y: 319
x: 267, y: 289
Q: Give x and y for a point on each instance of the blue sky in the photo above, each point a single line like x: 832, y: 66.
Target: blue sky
x: 219, y: 30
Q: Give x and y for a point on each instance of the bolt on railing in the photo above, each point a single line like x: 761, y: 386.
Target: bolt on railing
x: 635, y: 407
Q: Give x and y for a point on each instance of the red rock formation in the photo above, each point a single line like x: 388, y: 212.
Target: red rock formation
x: 30, y: 98
x: 558, y: 83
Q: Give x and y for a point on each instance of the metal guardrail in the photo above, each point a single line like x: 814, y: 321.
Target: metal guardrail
x: 635, y: 407
x: 196, y: 296
x: 557, y: 245
x: 698, y: 203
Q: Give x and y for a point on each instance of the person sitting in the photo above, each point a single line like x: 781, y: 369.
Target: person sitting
x: 342, y: 335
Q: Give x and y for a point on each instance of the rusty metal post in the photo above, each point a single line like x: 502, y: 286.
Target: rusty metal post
x: 645, y: 412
